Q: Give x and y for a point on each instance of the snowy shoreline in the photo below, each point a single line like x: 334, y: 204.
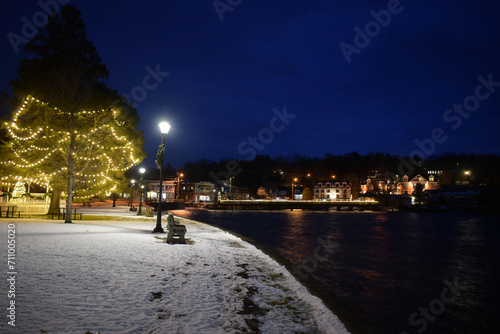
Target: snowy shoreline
x: 118, y: 277
x: 351, y: 318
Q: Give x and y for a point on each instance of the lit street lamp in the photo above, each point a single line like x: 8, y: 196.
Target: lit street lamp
x: 179, y: 175
x: 294, y: 180
x: 467, y: 176
x: 132, y: 195
x: 141, y: 187
x: 230, y: 187
x: 164, y: 127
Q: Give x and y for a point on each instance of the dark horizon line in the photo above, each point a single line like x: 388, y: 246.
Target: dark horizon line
x: 293, y: 155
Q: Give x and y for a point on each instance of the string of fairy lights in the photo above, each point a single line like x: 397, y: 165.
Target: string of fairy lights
x: 38, y: 147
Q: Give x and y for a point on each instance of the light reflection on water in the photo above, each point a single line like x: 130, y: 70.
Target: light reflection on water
x: 387, y: 265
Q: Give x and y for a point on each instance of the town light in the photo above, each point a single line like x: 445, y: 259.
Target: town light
x: 164, y: 128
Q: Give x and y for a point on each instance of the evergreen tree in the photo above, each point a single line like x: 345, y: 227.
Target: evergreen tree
x: 19, y: 190
x: 419, y: 189
x: 307, y: 194
x: 65, y: 131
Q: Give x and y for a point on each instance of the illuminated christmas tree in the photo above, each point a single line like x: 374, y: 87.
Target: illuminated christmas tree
x: 19, y: 190
x: 104, y: 147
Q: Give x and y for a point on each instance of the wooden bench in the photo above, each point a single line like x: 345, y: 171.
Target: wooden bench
x: 10, y: 212
x: 62, y: 213
x: 176, y: 232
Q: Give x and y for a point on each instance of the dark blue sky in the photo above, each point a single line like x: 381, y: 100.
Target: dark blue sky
x: 381, y: 90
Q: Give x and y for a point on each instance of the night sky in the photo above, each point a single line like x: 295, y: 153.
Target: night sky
x: 307, y: 77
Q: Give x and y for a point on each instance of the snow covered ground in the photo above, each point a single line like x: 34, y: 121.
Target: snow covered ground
x: 118, y: 277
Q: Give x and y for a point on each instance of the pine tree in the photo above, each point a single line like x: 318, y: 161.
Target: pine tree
x: 65, y: 132
x: 307, y: 194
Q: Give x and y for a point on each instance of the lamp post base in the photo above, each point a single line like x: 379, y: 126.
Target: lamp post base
x: 158, y: 230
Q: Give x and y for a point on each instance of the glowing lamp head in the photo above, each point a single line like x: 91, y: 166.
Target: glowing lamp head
x: 142, y: 170
x: 164, y: 127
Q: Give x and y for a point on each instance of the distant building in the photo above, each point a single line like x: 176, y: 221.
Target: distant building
x: 297, y: 193
x: 332, y: 190
x: 198, y: 192
x: 262, y: 192
x: 280, y: 194
x: 152, y: 189
x: 377, y: 182
x: 409, y: 185
x: 399, y: 185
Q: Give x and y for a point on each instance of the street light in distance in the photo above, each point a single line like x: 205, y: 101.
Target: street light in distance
x: 294, y: 180
x: 142, y: 170
x: 132, y: 195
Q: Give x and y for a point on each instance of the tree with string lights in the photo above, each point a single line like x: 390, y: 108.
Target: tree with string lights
x: 67, y: 132
x: 38, y: 145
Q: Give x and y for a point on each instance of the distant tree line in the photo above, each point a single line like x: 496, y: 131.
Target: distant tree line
x: 281, y: 170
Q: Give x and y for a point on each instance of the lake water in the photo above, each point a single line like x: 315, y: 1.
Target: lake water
x: 404, y: 272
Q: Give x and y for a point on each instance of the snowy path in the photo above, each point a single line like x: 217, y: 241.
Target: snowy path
x: 118, y: 277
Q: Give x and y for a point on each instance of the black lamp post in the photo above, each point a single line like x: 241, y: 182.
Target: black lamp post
x: 132, y: 195
x: 293, y: 196
x: 230, y: 187
x: 141, y: 170
x: 164, y: 127
x: 178, y: 192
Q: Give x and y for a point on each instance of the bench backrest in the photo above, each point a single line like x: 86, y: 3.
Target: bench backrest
x: 170, y: 220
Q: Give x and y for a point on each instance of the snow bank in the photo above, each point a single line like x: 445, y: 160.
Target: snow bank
x: 118, y: 277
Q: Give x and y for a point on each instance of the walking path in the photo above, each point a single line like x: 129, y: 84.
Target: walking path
x: 117, y: 277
